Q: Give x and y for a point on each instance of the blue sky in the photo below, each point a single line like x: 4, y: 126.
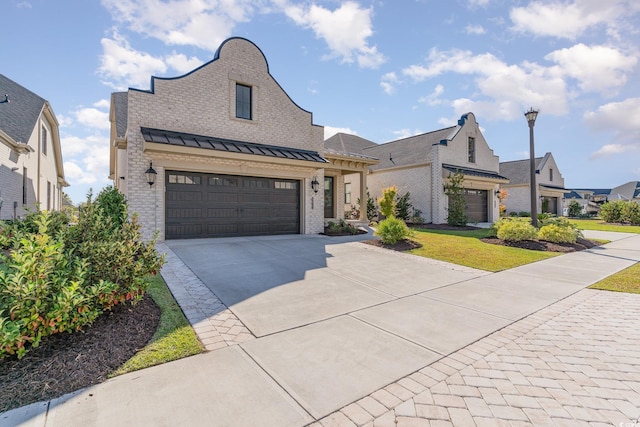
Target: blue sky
x: 379, y: 69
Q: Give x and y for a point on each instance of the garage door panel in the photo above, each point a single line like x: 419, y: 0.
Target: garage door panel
x: 214, y: 205
x: 184, y: 196
x: 182, y: 213
x: 224, y: 213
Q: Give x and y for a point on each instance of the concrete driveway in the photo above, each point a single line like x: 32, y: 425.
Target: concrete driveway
x: 331, y: 321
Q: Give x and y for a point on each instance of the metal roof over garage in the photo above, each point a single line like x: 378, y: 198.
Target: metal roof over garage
x: 474, y: 172
x: 231, y: 146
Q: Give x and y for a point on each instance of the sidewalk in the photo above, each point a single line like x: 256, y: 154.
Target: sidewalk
x: 572, y: 362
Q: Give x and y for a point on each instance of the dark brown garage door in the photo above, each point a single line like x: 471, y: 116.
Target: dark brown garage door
x: 476, y: 205
x: 208, y: 205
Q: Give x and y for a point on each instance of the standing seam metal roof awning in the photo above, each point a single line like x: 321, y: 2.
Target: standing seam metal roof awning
x: 474, y: 172
x: 241, y: 147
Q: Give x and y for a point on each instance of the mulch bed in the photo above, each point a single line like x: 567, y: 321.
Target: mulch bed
x: 540, y: 245
x: 67, y: 362
x: 331, y: 234
x: 403, y: 245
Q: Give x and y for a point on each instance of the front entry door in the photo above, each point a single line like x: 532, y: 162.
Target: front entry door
x: 329, y: 197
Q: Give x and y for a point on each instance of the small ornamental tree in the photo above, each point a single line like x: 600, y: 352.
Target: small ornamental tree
x: 454, y: 190
x: 502, y: 196
x: 404, y: 208
x: 388, y: 201
x: 372, y: 210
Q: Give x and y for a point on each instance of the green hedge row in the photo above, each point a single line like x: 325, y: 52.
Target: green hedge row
x: 56, y: 277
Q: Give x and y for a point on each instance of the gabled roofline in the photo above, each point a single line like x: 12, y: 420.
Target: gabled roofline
x: 47, y: 111
x: 216, y: 56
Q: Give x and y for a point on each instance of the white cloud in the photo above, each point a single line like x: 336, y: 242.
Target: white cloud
x: 434, y: 97
x: 345, y: 30
x: 388, y: 82
x: 571, y: 19
x: 507, y: 89
x: 93, y: 118
x: 597, y: 68
x: 73, y: 146
x: 182, y: 64
x: 201, y: 23
x: 122, y: 66
x: 406, y: 133
x: 329, y: 131
x: 474, y: 29
x: 64, y: 121
x: 85, y: 162
x: 611, y: 149
x: 103, y: 103
x: 621, y: 119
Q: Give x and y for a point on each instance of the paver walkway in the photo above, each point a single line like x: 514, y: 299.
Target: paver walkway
x: 575, y: 363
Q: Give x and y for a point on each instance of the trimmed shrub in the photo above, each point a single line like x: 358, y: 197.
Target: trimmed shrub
x: 516, y: 231
x: 113, y: 204
x: 563, y: 223
x: 502, y: 221
x: 557, y: 234
x: 393, y: 230
x: 611, y: 211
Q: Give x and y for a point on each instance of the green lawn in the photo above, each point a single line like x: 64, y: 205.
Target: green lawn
x: 627, y: 280
x: 466, y: 248
x: 174, y: 338
x: 597, y: 224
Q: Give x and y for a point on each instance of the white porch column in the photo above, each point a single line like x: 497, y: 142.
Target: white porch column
x: 363, y: 196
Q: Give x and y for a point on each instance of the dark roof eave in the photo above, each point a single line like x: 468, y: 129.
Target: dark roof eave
x: 475, y: 172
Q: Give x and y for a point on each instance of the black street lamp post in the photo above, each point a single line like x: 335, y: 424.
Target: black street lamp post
x: 531, y: 116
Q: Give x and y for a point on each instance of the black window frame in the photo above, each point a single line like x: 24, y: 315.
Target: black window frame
x: 471, y: 147
x: 244, y: 101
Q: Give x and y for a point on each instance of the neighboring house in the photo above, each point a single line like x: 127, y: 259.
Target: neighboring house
x: 233, y: 154
x: 549, y: 185
x: 592, y: 199
x: 422, y: 164
x: 31, y: 172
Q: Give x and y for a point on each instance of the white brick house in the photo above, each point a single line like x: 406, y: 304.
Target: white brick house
x: 550, y: 189
x: 421, y: 165
x: 31, y: 171
x: 234, y: 155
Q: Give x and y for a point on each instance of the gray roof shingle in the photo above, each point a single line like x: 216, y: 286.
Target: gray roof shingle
x: 518, y: 170
x: 121, y: 108
x: 19, y: 116
x: 346, y: 143
x: 408, y: 151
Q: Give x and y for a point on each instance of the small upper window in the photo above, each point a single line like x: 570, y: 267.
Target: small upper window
x: 472, y: 149
x: 43, y: 137
x: 550, y: 174
x: 243, y: 101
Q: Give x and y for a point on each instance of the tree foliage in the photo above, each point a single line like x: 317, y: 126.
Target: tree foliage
x: 455, y: 191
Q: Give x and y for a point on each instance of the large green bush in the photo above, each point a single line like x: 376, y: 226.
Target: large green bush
x: 611, y: 211
x: 393, y: 230
x: 557, y: 234
x: 516, y: 231
x: 58, y: 279
x: 631, y: 213
x: 113, y: 204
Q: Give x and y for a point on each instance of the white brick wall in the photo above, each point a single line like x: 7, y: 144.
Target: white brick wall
x: 416, y: 180
x: 203, y: 102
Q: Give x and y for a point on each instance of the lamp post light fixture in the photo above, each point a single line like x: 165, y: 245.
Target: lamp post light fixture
x: 315, y: 184
x: 531, y: 116
x: 151, y: 174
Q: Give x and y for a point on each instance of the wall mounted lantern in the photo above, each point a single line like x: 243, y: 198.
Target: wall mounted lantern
x: 151, y: 174
x: 315, y: 184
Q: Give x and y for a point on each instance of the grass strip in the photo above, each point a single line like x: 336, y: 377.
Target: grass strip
x: 464, y: 247
x: 174, y: 338
x: 627, y: 280
x: 598, y: 225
